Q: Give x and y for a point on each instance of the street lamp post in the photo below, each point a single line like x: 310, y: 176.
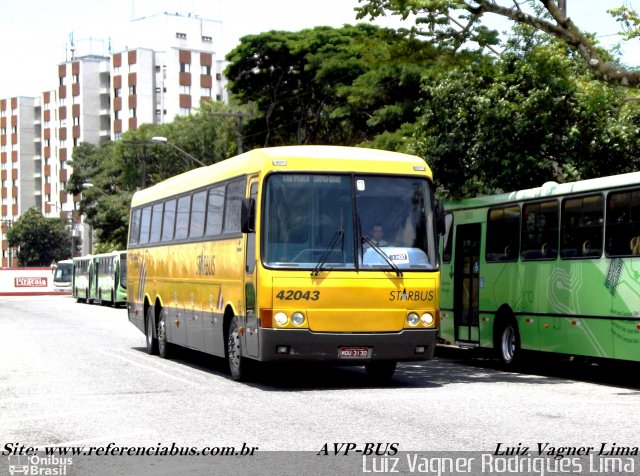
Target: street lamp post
x: 164, y: 140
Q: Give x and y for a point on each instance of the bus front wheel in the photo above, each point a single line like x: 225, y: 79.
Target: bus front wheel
x: 237, y: 364
x: 509, y: 344
x: 380, y: 371
x: 152, y: 342
x: 163, y: 345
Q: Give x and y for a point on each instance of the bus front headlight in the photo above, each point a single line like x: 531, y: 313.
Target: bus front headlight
x: 297, y: 318
x: 427, y: 319
x: 413, y: 319
x: 281, y: 318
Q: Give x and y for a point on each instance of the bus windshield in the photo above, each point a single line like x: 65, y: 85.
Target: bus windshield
x: 331, y: 221
x: 62, y: 273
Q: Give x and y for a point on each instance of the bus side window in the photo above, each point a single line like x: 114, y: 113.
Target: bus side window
x: 540, y: 230
x: 215, y: 208
x: 169, y: 220
x: 582, y: 227
x: 503, y: 234
x: 156, y: 223
x: 182, y: 218
x: 135, y: 227
x: 198, y: 208
x: 233, y: 206
x: 145, y: 225
x: 623, y: 224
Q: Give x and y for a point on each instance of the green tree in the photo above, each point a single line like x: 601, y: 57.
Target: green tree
x: 530, y: 116
x: 41, y: 241
x: 342, y: 86
x: 453, y: 23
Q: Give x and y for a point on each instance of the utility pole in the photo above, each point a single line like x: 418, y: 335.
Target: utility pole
x: 240, y: 116
x: 141, y: 158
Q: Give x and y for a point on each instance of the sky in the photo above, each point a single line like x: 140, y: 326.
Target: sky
x: 35, y: 34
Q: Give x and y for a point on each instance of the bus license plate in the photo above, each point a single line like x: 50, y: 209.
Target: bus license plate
x: 354, y: 353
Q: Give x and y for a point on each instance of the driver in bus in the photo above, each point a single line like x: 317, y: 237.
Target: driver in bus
x: 377, y: 234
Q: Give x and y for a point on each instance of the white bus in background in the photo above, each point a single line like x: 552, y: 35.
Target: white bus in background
x: 62, y: 276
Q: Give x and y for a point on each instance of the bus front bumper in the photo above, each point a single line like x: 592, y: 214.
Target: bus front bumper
x: 302, y: 344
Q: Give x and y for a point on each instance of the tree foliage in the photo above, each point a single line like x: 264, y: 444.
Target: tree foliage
x: 530, y: 116
x: 40, y: 241
x: 457, y: 22
x: 325, y: 85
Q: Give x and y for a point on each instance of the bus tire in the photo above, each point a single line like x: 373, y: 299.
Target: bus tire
x: 237, y: 363
x: 152, y: 342
x: 380, y: 370
x: 508, y: 344
x: 163, y: 346
x: 113, y: 299
x: 99, y: 298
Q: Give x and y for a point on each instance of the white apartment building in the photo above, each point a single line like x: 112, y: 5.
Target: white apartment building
x: 170, y: 67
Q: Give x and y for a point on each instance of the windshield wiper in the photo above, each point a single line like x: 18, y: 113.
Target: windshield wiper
x: 323, y: 259
x: 376, y: 248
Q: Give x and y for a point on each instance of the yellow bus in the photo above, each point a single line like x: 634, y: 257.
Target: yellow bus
x: 277, y: 255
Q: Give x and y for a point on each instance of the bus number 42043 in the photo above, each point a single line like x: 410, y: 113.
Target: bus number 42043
x: 298, y: 295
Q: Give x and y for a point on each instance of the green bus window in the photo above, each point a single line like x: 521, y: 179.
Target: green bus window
x: 233, y: 203
x: 182, y: 218
x: 540, y: 230
x: 156, y: 223
x: 169, y: 220
x: 581, y: 227
x: 215, y: 208
x: 503, y: 234
x: 135, y: 227
x: 623, y: 224
x: 145, y: 225
x: 198, y: 207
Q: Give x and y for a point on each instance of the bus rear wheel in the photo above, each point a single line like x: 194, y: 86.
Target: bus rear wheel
x: 380, y: 371
x: 152, y: 342
x: 509, y: 350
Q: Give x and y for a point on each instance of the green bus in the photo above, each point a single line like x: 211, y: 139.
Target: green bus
x: 552, y: 269
x: 108, y: 278
x: 80, y: 278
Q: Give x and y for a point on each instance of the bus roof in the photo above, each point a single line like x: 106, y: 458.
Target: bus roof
x: 296, y: 158
x: 549, y: 189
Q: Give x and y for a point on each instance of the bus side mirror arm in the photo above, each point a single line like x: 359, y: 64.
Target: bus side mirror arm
x: 248, y: 215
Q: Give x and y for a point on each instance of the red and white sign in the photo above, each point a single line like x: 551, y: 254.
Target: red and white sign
x: 30, y: 282
x: 26, y: 281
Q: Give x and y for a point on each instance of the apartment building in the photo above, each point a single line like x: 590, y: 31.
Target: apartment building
x: 20, y: 163
x: 169, y: 66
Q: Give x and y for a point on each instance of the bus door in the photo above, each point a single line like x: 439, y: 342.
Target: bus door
x: 251, y: 319
x: 466, y: 280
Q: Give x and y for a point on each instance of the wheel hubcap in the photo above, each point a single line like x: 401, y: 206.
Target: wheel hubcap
x: 508, y: 343
x: 161, y: 335
x: 234, y: 349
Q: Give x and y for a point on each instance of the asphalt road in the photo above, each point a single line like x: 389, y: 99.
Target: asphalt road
x: 76, y: 374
